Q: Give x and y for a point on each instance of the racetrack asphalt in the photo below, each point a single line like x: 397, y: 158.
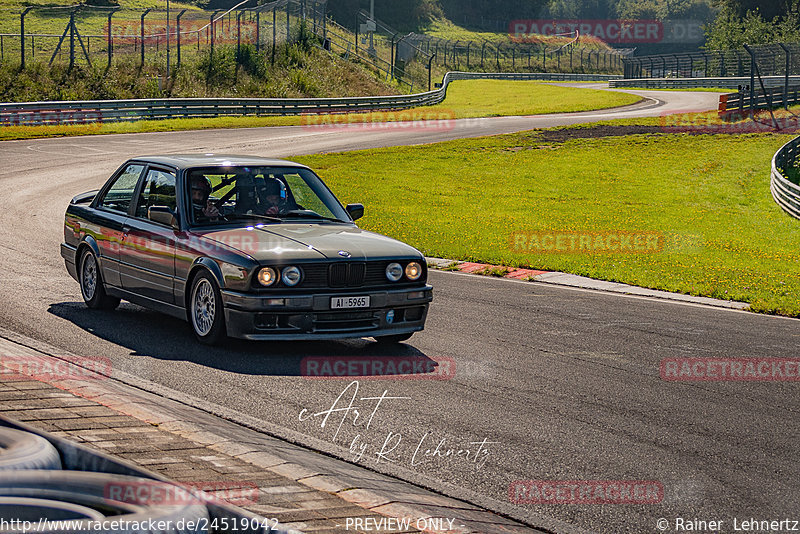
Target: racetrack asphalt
x: 563, y: 382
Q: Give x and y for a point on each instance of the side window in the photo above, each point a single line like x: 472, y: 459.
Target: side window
x: 305, y: 197
x: 158, y: 190
x: 119, y: 195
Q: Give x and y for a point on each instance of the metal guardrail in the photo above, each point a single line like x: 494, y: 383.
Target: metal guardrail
x: 681, y: 83
x: 92, y: 111
x: 786, y: 193
x: 774, y: 97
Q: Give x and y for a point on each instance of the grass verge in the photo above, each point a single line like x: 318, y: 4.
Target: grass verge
x: 470, y: 98
x: 706, y: 197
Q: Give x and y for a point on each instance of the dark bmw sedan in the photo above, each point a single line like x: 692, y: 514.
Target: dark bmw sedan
x: 245, y: 247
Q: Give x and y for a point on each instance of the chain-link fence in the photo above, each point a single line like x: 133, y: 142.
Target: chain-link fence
x: 93, y: 35
x: 772, y: 60
x: 565, y: 54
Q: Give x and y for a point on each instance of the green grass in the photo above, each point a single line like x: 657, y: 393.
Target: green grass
x: 446, y: 29
x: 468, y: 98
x: 491, y: 98
x: 707, y: 196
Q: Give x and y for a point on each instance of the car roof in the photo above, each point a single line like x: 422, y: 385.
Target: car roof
x: 188, y: 161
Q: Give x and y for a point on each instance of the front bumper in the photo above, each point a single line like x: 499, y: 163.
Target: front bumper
x: 309, y: 316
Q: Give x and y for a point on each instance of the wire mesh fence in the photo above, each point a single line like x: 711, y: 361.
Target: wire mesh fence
x: 771, y: 60
x: 83, y: 34
x: 565, y: 54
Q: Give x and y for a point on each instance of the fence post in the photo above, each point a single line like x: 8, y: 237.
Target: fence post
x: 178, y: 35
x: 22, y: 36
x: 430, y: 60
x: 110, y: 39
x: 469, y: 43
x: 288, y: 23
x: 211, y: 35
x: 141, y: 30
x: 483, y: 48
x: 786, y: 75
x: 274, y: 32
x: 258, y: 30
x: 239, y: 36
x: 752, y: 78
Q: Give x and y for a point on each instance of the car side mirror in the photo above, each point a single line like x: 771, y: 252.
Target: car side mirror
x: 356, y: 211
x: 163, y: 215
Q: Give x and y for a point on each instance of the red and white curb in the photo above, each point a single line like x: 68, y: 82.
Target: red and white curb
x: 573, y: 280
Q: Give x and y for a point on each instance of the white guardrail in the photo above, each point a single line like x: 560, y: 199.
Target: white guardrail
x: 786, y: 193
x: 90, y: 111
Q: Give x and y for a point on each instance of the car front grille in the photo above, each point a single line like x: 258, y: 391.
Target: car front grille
x: 345, y: 274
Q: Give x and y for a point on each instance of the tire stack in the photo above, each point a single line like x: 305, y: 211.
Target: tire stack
x: 34, y: 488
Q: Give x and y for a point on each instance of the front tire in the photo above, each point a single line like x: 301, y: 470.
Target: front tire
x: 396, y: 338
x: 206, y: 313
x: 92, y: 289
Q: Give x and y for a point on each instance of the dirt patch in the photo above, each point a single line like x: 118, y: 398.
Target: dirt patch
x: 565, y: 134
x: 787, y: 125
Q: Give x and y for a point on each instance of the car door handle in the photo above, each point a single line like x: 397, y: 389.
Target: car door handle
x: 126, y: 230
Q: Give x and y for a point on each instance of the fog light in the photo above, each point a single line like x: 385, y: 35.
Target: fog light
x: 390, y: 316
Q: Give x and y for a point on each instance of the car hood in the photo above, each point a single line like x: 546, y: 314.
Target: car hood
x: 312, y: 241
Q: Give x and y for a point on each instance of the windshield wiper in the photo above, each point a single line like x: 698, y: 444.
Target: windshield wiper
x: 309, y: 214
x: 235, y: 216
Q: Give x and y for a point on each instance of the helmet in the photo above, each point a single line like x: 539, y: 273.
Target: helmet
x: 202, y: 182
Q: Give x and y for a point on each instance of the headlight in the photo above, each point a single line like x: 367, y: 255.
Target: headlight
x: 291, y: 276
x: 394, y: 272
x: 413, y: 271
x: 267, y: 276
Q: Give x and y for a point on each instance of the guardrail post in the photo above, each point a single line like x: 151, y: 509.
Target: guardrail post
x: 141, y: 30
x: 22, y: 36
x: 786, y: 76
x: 178, y: 34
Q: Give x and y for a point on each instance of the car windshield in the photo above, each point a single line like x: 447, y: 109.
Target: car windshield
x: 219, y: 195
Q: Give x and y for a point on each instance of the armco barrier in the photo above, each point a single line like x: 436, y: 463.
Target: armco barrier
x: 89, y: 111
x: 785, y: 193
x: 690, y: 83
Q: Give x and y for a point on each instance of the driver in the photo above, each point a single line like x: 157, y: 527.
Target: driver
x: 202, y: 206
x: 271, y: 201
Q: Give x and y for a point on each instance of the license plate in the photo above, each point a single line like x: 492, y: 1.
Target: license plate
x: 349, y: 302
